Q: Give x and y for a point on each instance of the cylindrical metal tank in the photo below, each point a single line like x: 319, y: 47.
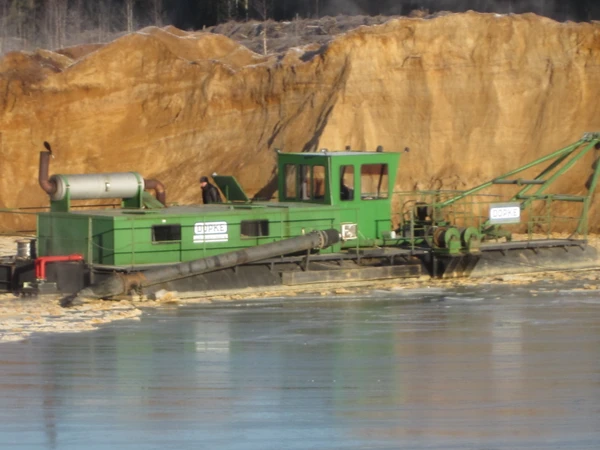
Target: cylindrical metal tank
x: 24, y: 249
x: 98, y: 185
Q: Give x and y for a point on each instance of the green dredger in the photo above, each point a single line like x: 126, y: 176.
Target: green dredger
x: 333, y: 222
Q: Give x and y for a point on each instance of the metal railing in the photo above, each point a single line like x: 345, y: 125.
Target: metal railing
x: 543, y: 217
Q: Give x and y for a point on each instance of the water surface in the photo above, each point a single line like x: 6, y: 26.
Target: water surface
x: 473, y: 368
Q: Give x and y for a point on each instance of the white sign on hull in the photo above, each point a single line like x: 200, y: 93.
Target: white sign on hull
x: 210, y: 232
x: 505, y: 213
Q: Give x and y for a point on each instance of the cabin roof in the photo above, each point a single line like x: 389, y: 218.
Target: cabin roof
x: 196, y: 210
x: 336, y: 153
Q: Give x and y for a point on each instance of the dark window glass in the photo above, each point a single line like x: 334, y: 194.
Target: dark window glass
x: 253, y: 228
x: 166, y: 233
x: 346, y: 183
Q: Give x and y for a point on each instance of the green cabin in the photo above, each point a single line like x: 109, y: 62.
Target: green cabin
x: 349, y: 191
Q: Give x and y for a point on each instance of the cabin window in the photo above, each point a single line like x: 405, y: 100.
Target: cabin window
x: 305, y: 176
x: 291, y: 182
x: 373, y: 181
x: 254, y: 228
x: 346, y: 183
x: 166, y: 233
x: 304, y: 182
x: 318, y: 189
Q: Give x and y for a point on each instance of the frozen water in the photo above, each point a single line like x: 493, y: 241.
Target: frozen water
x: 493, y: 368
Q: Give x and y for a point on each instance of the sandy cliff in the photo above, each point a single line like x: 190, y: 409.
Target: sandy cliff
x: 472, y: 95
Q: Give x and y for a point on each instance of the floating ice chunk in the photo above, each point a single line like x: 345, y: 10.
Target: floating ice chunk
x: 418, y: 291
x: 462, y: 299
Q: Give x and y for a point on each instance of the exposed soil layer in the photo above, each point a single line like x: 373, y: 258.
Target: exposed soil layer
x: 472, y: 95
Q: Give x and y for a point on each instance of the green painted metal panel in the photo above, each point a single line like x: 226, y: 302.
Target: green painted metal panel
x: 231, y: 188
x: 59, y: 234
x: 350, y: 191
x: 126, y: 237
x: 103, y: 239
x: 64, y: 233
x: 366, y: 207
x: 150, y: 201
x: 205, y: 233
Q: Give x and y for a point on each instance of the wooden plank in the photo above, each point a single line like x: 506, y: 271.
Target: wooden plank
x: 363, y: 274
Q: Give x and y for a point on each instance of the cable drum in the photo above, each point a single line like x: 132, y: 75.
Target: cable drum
x: 26, y: 249
x: 97, y: 185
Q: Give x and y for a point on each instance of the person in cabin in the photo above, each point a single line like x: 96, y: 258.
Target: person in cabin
x: 210, y: 194
x: 345, y: 192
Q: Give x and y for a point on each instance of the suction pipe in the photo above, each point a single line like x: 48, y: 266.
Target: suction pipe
x: 119, y: 284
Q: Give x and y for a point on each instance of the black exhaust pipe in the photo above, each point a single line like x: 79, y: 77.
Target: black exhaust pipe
x: 159, y: 190
x: 43, y: 175
x: 119, y: 284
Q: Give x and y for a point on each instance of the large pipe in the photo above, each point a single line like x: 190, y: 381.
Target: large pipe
x: 123, y: 284
x: 45, y: 183
x: 159, y: 190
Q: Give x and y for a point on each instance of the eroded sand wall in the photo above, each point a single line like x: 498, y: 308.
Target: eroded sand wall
x: 471, y: 94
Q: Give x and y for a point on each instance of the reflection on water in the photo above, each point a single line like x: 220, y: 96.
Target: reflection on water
x: 486, y: 368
